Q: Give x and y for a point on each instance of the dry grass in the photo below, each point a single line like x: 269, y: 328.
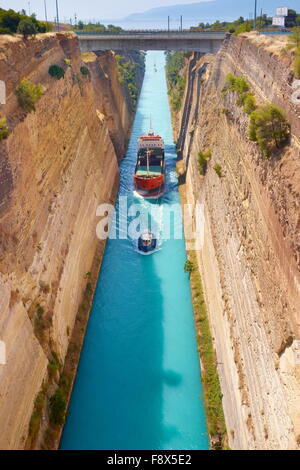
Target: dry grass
x: 88, y: 56
x: 274, y: 44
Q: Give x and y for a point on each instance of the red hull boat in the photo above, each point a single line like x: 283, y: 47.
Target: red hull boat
x: 149, y: 176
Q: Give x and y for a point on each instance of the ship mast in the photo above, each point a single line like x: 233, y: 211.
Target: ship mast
x: 151, y: 130
x: 147, y: 162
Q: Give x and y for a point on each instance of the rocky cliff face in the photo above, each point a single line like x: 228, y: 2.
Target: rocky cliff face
x: 250, y: 259
x: 57, y: 165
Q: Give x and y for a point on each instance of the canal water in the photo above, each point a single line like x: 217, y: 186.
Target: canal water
x: 138, y: 384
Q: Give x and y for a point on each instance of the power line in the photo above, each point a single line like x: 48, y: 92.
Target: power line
x: 57, y: 18
x: 45, y: 6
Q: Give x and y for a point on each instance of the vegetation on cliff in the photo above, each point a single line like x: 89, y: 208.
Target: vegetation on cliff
x: 85, y: 71
x: 210, y: 379
x: 203, y: 159
x: 218, y: 170
x: 12, y: 22
x: 294, y: 43
x: 128, y: 72
x: 56, y: 71
x: 176, y: 78
x: 28, y: 94
x: 4, y: 129
x: 269, y: 128
x: 268, y: 125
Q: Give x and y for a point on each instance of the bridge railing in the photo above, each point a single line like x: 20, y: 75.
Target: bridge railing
x: 147, y: 31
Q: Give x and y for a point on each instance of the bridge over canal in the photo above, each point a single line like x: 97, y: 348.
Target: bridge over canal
x: 205, y: 42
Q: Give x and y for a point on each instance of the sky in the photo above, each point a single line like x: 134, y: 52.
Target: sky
x: 89, y: 9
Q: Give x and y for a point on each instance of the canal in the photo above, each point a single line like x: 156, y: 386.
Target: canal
x: 138, y: 384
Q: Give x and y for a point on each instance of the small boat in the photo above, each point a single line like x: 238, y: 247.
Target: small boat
x: 147, y: 243
x: 149, y: 172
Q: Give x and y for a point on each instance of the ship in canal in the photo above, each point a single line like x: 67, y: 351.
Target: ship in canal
x: 149, y: 176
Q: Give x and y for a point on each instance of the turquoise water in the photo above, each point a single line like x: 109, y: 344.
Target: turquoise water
x: 138, y: 383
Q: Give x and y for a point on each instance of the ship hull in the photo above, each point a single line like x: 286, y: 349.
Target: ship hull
x: 149, y: 188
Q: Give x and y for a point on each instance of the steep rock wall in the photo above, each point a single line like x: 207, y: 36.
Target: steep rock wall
x: 57, y: 165
x: 250, y: 259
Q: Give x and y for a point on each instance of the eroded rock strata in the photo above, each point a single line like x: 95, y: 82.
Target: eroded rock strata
x: 57, y: 165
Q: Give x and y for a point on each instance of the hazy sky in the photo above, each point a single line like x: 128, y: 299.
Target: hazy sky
x: 89, y: 9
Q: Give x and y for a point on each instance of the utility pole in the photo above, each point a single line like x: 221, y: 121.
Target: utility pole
x: 168, y: 24
x: 28, y: 8
x: 45, y: 11
x: 180, y: 22
x: 57, y: 18
x: 255, y: 14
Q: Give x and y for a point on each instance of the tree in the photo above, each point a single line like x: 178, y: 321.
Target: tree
x: 9, y: 19
x: 290, y: 20
x: 27, y: 28
x: 243, y: 28
x: 269, y: 128
x: 80, y: 24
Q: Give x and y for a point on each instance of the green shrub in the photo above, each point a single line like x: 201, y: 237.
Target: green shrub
x: 189, y: 267
x: 218, y: 170
x: 27, y: 28
x: 294, y: 38
x: 56, y: 71
x: 243, y: 28
x: 28, y: 94
x: 249, y: 104
x: 240, y: 86
x: 85, y: 71
x: 203, y: 159
x: 237, y: 84
x: 57, y: 407
x: 4, y: 130
x: 296, y: 65
x: 269, y: 128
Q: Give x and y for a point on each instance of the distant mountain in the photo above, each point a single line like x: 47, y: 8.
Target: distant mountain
x: 210, y: 11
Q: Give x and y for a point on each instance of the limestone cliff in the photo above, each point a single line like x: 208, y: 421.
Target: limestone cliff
x: 251, y: 255
x: 57, y: 165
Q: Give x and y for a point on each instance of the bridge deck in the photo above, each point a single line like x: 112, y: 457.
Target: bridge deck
x: 205, y: 42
